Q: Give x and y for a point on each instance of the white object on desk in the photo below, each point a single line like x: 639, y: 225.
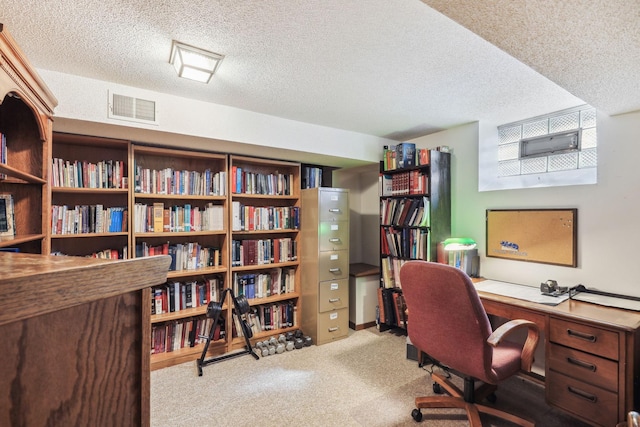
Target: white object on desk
x: 523, y: 292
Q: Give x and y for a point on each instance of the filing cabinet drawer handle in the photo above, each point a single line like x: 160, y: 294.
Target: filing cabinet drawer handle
x: 582, y: 336
x: 333, y: 240
x: 334, y: 299
x: 335, y: 328
x: 334, y: 270
x: 334, y: 210
x: 583, y: 394
x: 582, y: 364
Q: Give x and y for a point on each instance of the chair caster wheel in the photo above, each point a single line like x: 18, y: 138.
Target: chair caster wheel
x: 492, y: 398
x: 416, y: 415
x: 437, y: 389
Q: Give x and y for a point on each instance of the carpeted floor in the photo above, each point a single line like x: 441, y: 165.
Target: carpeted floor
x: 363, y: 380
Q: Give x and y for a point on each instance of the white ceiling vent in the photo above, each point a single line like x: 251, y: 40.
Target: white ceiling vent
x: 123, y: 107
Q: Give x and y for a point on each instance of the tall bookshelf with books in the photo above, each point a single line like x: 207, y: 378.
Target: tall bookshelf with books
x: 179, y: 208
x: 265, y: 222
x: 415, y: 215
x: 26, y: 110
x: 89, y: 196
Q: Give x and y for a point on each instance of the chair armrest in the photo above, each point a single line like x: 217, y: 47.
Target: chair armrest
x: 530, y: 344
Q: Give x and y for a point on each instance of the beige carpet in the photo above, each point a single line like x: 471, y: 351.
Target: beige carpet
x: 363, y: 380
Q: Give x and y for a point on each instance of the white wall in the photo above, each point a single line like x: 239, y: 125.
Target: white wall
x: 364, y: 205
x: 608, y: 212
x: 83, y: 107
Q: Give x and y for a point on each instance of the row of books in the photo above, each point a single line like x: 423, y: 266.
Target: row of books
x: 268, y: 317
x: 390, y: 269
x: 175, y: 295
x: 312, y: 177
x: 184, y: 333
x: 180, y: 182
x: 82, y: 219
x: 102, y: 254
x: 7, y: 215
x: 84, y: 174
x: 263, y: 251
x: 402, y: 183
x: 272, y: 184
x: 406, y: 212
x: 277, y: 281
x: 392, y: 308
x: 184, y: 256
x: 250, y: 218
x: 156, y: 218
x: 412, y: 243
x: 404, y: 155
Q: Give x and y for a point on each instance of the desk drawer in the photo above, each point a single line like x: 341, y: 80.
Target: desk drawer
x: 334, y: 295
x: 587, y: 367
x: 584, y: 337
x: 587, y: 402
x: 333, y: 325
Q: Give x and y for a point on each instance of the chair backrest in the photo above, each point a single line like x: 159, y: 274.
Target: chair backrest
x: 446, y: 317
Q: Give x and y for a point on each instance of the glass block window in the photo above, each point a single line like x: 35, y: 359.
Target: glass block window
x: 509, y: 136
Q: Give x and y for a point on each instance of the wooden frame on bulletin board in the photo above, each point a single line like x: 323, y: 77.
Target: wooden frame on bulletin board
x: 547, y: 236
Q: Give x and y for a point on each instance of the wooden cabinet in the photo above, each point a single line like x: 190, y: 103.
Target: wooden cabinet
x: 265, y: 268
x: 588, y: 370
x: 89, y: 196
x: 325, y: 260
x: 78, y: 356
x: 26, y: 109
x: 179, y: 206
x: 592, y: 355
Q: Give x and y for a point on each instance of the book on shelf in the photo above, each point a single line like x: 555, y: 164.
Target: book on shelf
x: 158, y: 217
x: 405, y: 155
x: 7, y: 219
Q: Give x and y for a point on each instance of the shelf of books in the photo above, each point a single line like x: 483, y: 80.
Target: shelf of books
x: 89, y: 196
x: 265, y: 222
x: 179, y: 206
x: 415, y: 214
x: 26, y: 110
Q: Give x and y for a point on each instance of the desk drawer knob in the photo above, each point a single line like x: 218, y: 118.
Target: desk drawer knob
x: 582, y: 364
x: 582, y: 336
x: 334, y: 299
x: 334, y: 270
x: 335, y: 328
x: 583, y: 394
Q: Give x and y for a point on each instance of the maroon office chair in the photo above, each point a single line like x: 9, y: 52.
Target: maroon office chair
x: 447, y: 321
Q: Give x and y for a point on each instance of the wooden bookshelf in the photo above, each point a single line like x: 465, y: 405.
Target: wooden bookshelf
x: 188, y: 188
x: 26, y: 110
x: 89, y: 180
x: 259, y: 186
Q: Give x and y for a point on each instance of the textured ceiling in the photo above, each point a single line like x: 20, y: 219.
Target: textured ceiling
x: 390, y: 68
x: 589, y: 47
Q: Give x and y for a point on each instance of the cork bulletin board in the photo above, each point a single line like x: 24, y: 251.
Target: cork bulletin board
x: 547, y: 236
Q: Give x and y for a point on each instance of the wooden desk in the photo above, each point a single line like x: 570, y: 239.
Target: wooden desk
x: 75, y: 340
x: 592, y: 355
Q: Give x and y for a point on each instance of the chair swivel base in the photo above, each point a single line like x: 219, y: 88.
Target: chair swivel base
x: 456, y: 399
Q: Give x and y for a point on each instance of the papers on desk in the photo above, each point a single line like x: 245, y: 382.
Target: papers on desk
x: 610, y: 301
x: 523, y: 292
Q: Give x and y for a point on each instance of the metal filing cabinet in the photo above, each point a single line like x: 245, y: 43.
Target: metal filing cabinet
x: 325, y: 263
